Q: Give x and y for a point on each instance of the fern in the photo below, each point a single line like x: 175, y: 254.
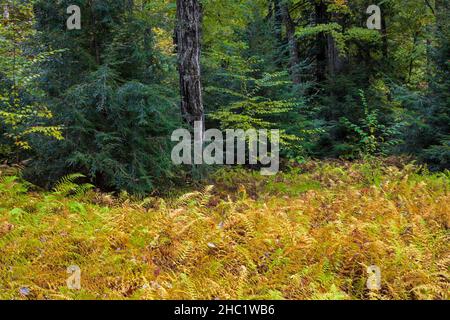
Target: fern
x: 67, y: 185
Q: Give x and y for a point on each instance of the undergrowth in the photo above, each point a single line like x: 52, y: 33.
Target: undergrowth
x: 307, y: 233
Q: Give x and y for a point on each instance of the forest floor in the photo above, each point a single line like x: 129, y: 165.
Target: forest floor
x: 307, y: 233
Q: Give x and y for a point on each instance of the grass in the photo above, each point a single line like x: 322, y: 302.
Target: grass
x: 308, y: 233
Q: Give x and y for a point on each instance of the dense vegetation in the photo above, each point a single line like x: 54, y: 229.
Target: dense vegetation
x: 103, y: 100
x: 308, y: 233
x: 87, y: 115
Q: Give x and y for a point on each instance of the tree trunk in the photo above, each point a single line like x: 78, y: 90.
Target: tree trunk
x: 95, y: 45
x: 188, y: 34
x: 335, y: 62
x: 321, y: 17
x: 294, y: 51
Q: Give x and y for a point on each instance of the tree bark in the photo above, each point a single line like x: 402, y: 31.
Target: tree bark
x: 328, y: 59
x: 95, y: 45
x: 294, y: 51
x: 188, y: 33
x: 335, y: 61
x: 321, y: 17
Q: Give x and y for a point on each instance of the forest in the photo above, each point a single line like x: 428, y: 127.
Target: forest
x: 355, y: 96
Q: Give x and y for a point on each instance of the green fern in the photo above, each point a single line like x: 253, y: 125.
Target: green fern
x: 67, y: 186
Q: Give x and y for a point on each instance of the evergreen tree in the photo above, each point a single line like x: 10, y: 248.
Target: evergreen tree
x: 107, y: 89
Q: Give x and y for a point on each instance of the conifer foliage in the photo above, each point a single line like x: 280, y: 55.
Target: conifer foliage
x: 103, y: 99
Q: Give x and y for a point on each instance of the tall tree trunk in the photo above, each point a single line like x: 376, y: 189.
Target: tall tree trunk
x: 294, y: 51
x: 328, y: 58
x: 188, y: 35
x: 95, y: 45
x: 321, y: 17
x: 335, y: 61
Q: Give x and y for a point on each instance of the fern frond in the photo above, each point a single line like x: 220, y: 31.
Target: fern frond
x: 66, y: 185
